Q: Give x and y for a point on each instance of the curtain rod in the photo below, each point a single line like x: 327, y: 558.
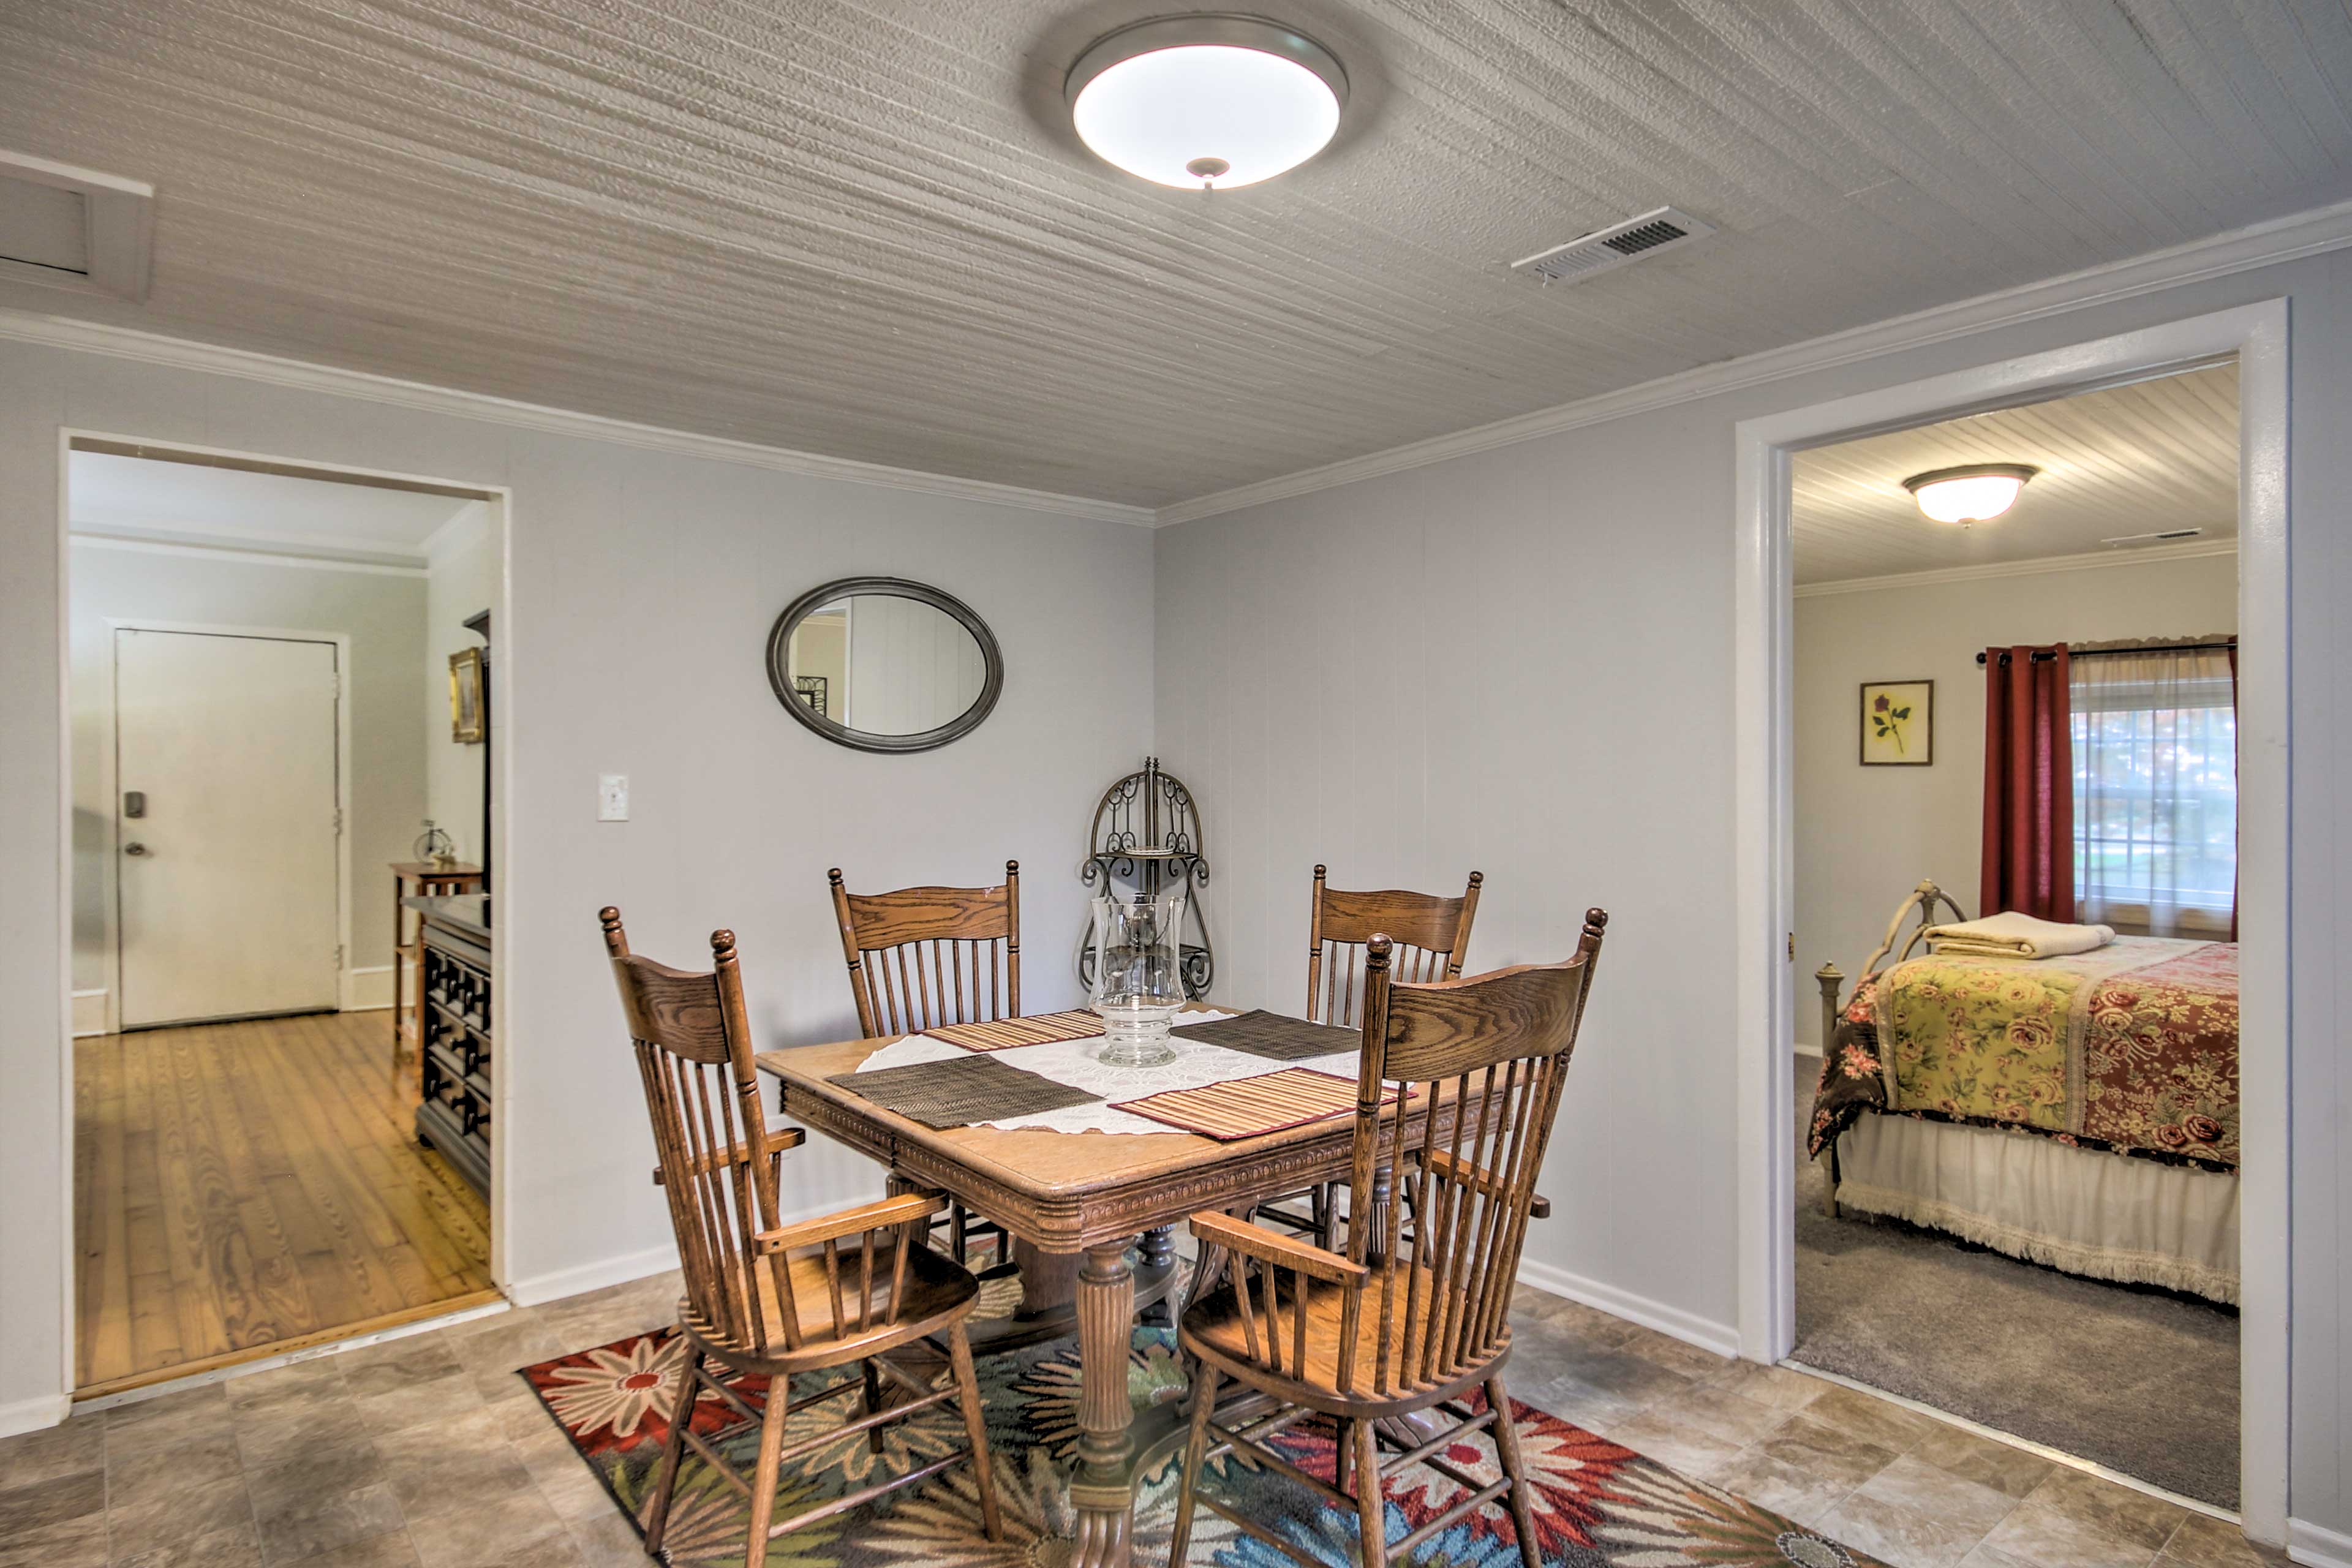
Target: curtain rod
x: 2103, y: 652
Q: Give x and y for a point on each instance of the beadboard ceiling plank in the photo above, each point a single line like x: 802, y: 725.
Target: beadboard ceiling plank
x: 860, y: 229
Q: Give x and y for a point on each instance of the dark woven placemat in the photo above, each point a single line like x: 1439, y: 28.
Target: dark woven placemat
x: 1275, y: 1036
x: 960, y: 1090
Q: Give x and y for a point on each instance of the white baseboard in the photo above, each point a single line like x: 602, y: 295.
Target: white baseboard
x: 34, y: 1415
x: 620, y: 1270
x: 89, y: 1013
x: 2317, y: 1544
x: 556, y: 1285
x: 1721, y: 1337
x: 367, y: 990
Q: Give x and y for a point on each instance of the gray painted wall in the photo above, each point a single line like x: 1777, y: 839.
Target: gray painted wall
x: 1522, y: 660
x: 642, y: 586
x: 384, y: 618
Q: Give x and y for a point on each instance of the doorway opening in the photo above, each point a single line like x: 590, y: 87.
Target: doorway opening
x: 1770, y: 981
x: 280, y: 1127
x: 2016, y: 1184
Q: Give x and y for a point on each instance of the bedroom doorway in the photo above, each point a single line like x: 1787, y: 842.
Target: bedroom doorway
x: 2076, y: 1294
x: 2057, y: 1322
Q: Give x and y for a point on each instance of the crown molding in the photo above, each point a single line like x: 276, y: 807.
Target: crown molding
x: 257, y: 541
x: 239, y: 555
x: 2236, y: 250
x: 187, y: 353
x: 2090, y: 561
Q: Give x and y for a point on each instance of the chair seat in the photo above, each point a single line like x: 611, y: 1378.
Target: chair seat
x: 937, y: 1289
x: 1213, y: 1329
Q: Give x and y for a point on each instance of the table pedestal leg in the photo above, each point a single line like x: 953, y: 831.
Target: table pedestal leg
x: 1160, y: 1252
x: 1376, y: 1217
x: 1049, y: 1280
x: 1102, y: 1490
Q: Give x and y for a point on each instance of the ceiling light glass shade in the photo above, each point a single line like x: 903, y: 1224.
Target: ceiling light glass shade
x: 1974, y: 493
x: 1206, y: 102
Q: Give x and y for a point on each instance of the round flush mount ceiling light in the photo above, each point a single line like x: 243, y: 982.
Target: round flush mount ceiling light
x: 1975, y: 492
x: 1206, y: 102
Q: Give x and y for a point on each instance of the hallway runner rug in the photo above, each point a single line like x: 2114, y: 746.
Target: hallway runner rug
x: 1595, y: 1503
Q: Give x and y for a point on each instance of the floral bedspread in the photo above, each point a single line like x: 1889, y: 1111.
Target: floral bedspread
x: 2132, y: 1048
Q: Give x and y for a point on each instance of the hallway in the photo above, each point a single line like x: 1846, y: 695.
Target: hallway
x: 246, y: 1188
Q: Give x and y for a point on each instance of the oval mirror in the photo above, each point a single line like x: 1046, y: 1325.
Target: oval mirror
x: 885, y: 664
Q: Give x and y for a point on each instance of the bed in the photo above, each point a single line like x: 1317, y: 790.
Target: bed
x: 2081, y: 1112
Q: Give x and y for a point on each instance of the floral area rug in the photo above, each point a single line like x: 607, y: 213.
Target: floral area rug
x: 1595, y: 1503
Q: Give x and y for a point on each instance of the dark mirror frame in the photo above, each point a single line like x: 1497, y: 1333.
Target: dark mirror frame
x: 780, y: 675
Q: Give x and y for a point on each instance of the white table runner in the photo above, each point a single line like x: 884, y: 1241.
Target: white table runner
x: 1197, y: 1066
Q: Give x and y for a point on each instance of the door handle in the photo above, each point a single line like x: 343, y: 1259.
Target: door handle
x: 134, y: 849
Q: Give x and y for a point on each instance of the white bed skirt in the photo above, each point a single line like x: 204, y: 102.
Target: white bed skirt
x: 2086, y: 1212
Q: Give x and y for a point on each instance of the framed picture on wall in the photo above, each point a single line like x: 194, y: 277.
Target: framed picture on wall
x: 468, y: 720
x: 1898, y: 723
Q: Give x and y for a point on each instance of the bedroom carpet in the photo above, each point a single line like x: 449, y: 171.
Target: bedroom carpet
x: 2137, y: 1380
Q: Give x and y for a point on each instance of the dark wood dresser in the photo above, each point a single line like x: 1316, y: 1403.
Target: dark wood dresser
x: 456, y: 1055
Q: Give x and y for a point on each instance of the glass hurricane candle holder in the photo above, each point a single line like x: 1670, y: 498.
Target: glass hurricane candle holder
x: 1139, y: 982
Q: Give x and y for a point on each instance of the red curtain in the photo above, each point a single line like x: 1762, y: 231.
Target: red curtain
x: 2029, y: 802
x: 2234, y: 755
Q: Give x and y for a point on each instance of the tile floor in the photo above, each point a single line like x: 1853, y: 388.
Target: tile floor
x: 428, y: 1452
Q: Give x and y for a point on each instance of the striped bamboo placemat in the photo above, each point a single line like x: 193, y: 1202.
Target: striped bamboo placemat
x: 1249, y: 1107
x: 1273, y: 1035
x: 960, y: 1090
x: 1003, y: 1034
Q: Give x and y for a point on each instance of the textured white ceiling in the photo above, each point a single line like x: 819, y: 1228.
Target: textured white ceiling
x: 133, y: 498
x: 2139, y: 459
x: 864, y: 230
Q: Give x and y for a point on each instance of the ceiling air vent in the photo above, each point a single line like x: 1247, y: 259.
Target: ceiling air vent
x: 1619, y: 243
x: 74, y: 229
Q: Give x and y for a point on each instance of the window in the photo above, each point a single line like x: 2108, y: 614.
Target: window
x: 2156, y: 790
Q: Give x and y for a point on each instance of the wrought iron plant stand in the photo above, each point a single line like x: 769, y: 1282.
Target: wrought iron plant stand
x: 1146, y: 839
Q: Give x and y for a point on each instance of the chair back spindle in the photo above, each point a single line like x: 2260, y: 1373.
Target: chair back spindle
x: 1429, y: 937
x: 923, y: 957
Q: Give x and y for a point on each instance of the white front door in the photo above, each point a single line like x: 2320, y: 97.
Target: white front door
x: 225, y: 832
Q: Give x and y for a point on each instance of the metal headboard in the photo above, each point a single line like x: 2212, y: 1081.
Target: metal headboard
x: 1923, y: 899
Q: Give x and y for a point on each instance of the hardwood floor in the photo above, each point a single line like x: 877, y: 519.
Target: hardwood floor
x: 240, y: 1188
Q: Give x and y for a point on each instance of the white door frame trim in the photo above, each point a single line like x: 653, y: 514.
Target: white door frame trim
x: 501, y: 498
x: 112, y: 898
x: 1763, y: 618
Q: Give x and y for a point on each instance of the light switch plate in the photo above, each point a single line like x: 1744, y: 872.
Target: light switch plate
x: 613, y: 797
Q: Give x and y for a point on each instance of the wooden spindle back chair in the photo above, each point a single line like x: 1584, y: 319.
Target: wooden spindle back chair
x: 762, y: 1297
x: 923, y: 957
x: 1407, y: 1319
x: 1429, y: 935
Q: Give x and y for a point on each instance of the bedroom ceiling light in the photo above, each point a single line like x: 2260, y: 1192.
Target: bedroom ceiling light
x: 1974, y: 492
x: 1206, y: 102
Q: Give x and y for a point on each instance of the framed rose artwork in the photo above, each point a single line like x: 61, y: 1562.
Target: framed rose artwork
x: 1898, y: 723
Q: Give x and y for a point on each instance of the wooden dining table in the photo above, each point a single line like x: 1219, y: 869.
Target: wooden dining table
x: 1077, y: 1203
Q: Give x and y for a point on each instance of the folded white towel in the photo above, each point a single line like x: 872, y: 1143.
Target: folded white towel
x: 2013, y: 935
